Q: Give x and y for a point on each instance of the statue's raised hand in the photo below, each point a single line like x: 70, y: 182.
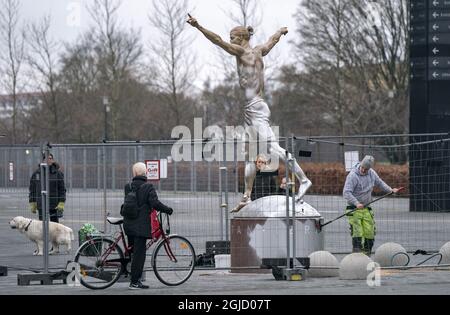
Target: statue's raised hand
x: 284, y: 30
x: 192, y: 21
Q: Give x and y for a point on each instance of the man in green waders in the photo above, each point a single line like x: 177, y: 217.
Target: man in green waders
x: 358, y: 192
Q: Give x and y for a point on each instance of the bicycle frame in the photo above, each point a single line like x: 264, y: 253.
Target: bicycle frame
x: 127, y: 249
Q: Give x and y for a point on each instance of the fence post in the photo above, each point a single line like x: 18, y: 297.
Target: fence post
x: 220, y: 201
x: 45, y: 201
x: 192, y: 169
x: 16, y: 164
x: 236, y: 166
x: 209, y: 177
x: 159, y: 158
x: 99, y: 154
x: 6, y: 167
x: 84, y: 168
x: 175, y: 174
x: 225, y: 206
x: 104, y: 188
x: 287, y: 209
x: 113, y: 167
x: 294, y: 236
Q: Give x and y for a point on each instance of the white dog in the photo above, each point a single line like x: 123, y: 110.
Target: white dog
x: 58, y: 234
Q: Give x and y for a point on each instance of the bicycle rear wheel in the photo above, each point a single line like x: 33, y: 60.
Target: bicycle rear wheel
x: 101, y: 263
x: 173, y: 260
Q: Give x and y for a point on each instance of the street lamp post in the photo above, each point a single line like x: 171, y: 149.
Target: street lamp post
x: 107, y: 109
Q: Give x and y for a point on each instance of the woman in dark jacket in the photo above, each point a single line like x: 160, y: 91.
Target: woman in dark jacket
x: 264, y: 184
x: 139, y: 230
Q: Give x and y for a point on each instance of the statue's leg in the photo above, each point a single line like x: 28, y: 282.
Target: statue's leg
x: 250, y: 174
x: 305, y: 183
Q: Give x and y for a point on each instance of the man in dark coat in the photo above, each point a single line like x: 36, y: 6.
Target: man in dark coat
x: 138, y: 230
x: 57, y: 194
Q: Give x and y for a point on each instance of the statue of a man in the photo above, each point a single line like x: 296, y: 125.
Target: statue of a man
x: 250, y: 67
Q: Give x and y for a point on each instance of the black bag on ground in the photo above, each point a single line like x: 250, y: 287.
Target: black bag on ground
x: 130, y: 208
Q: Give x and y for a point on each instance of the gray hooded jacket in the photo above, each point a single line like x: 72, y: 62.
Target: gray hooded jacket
x: 358, y: 188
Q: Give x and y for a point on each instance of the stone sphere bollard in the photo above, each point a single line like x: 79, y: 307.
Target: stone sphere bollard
x: 445, y: 252
x: 391, y: 254
x: 354, y: 267
x: 323, y: 259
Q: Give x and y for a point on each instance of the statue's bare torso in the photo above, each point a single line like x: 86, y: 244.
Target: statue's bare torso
x: 250, y: 68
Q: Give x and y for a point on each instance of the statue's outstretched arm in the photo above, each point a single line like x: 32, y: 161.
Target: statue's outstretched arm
x: 273, y: 40
x: 232, y: 49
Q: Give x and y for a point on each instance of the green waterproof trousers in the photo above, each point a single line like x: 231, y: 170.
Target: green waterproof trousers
x: 363, y: 230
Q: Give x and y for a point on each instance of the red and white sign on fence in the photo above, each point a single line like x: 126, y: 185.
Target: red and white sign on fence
x: 156, y: 169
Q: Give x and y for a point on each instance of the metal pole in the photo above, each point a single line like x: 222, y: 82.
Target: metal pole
x: 192, y: 172
x: 113, y: 167
x: 175, y: 175
x: 287, y: 211
x: 16, y: 177
x: 106, y: 109
x: 225, y: 205
x: 99, y: 154
x: 209, y: 177
x: 294, y: 234
x: 70, y: 170
x: 45, y: 200
x: 84, y: 169
x: 104, y: 189
x: 222, y: 204
x: 159, y: 158
x: 6, y: 167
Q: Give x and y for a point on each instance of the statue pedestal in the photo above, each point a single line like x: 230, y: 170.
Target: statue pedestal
x: 259, y: 231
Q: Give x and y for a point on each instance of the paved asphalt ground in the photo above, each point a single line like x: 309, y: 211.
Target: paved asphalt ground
x: 198, y: 217
x: 417, y: 282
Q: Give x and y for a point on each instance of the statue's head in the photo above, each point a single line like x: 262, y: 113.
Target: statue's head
x: 241, y: 34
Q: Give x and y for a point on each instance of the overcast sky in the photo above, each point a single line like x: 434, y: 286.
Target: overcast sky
x: 67, y: 24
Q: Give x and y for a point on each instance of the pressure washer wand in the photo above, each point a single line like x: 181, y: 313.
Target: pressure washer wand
x: 354, y: 210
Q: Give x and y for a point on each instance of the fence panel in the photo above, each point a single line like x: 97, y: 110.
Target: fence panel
x: 419, y: 218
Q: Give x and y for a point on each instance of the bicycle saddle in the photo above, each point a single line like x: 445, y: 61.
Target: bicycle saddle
x: 115, y: 221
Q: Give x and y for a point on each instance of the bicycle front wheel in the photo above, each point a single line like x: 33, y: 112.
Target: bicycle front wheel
x: 101, y: 263
x: 173, y: 260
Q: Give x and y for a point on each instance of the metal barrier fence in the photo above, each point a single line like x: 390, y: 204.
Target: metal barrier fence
x: 202, y: 193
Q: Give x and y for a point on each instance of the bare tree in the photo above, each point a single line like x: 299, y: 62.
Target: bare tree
x: 80, y: 84
x: 353, y: 65
x: 383, y: 35
x: 43, y: 59
x: 118, y: 53
x: 174, y: 61
x: 12, y: 56
x: 323, y: 32
x: 248, y: 12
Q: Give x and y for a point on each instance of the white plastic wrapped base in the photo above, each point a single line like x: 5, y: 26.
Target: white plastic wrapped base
x: 354, y: 267
x: 445, y: 252
x: 391, y: 254
x: 275, y: 207
x: 323, y: 259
